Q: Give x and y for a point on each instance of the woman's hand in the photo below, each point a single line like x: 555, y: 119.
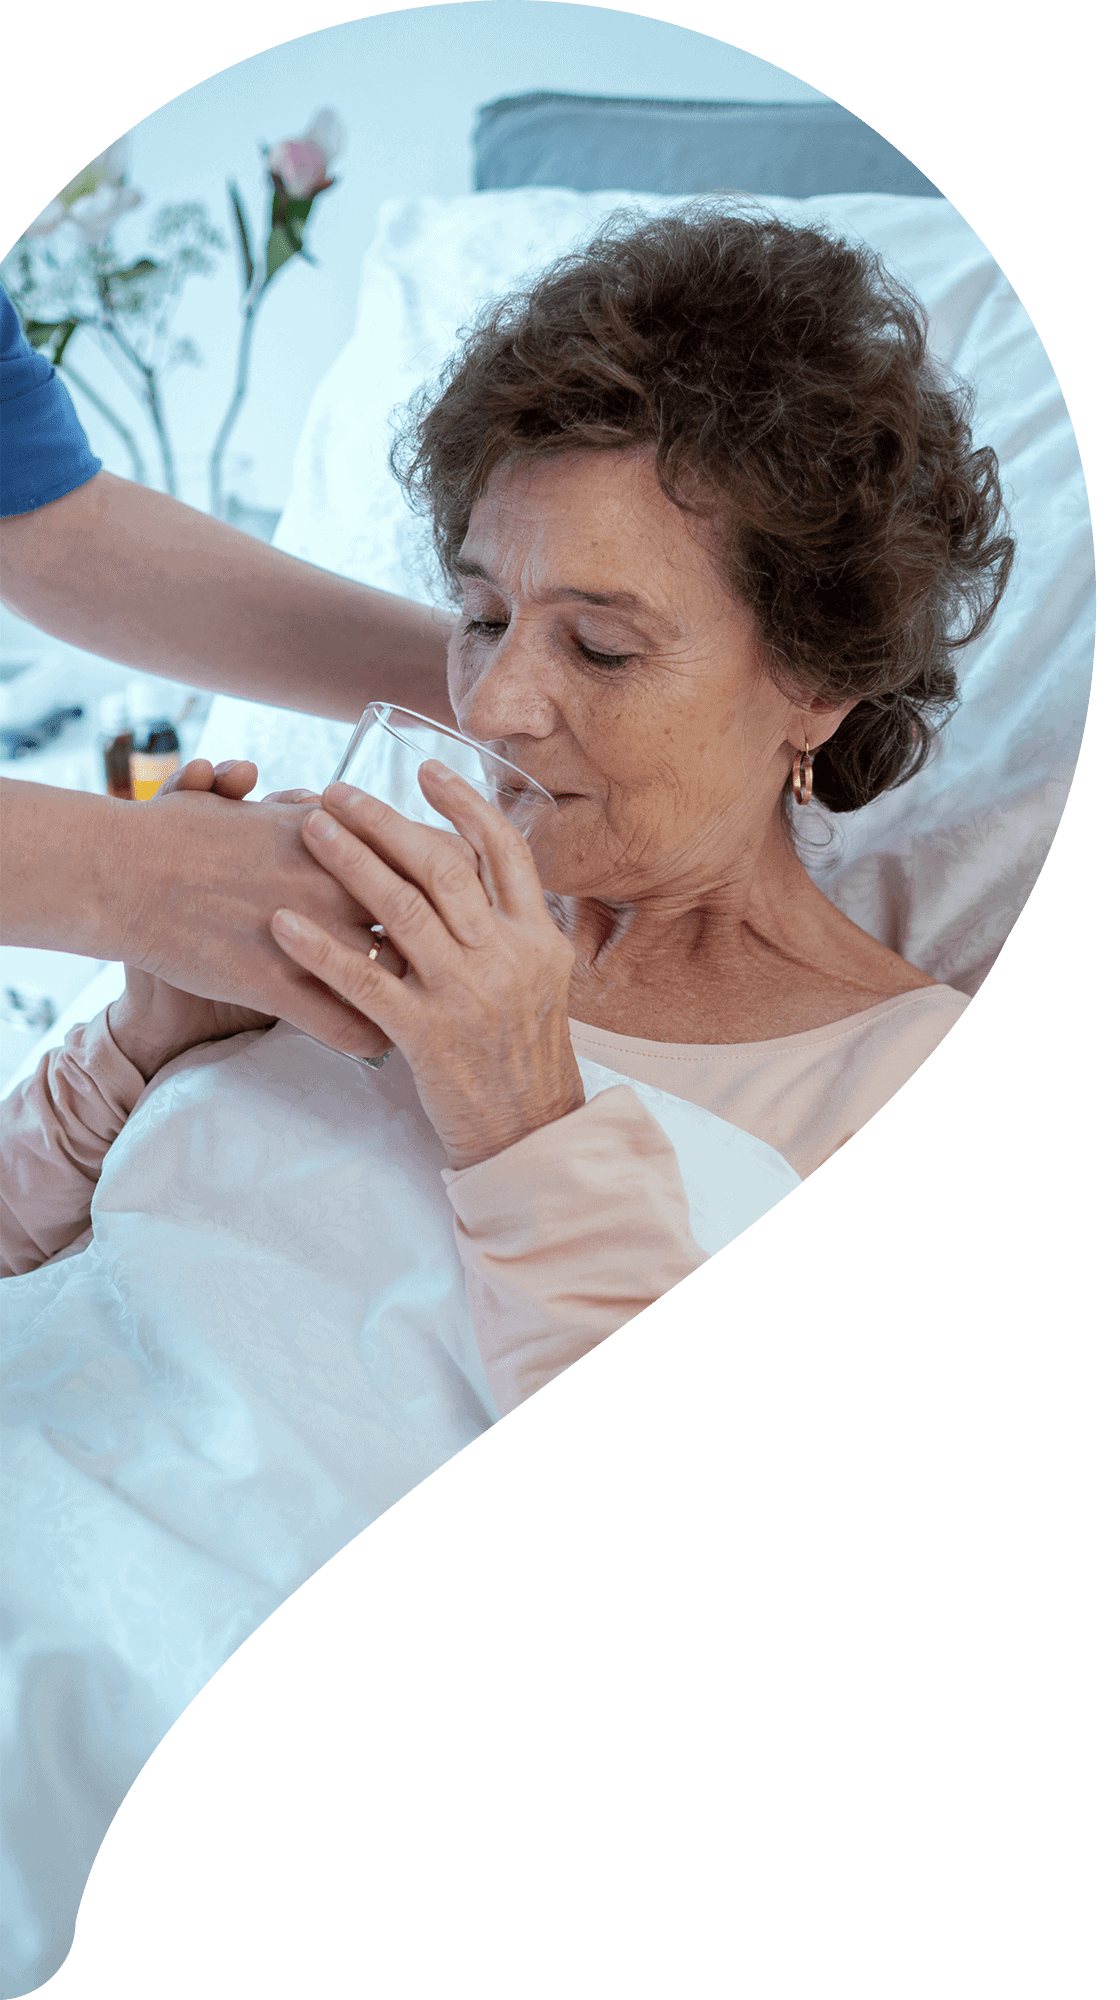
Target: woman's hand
x: 481, y: 1012
x: 153, y: 1020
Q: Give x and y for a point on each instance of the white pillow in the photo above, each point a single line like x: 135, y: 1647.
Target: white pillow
x: 940, y: 869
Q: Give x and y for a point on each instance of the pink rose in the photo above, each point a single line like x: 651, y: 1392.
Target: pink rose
x: 302, y: 166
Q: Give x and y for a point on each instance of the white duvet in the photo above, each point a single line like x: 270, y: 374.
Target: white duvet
x: 265, y: 1346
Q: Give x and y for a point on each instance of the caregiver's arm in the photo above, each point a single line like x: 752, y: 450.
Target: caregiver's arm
x: 567, y: 1235
x: 56, y: 1128
x: 138, y: 577
x: 183, y: 887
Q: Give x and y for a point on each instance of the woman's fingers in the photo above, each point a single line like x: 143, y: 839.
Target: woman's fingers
x: 355, y: 1032
x: 360, y: 939
x: 392, y: 901
x: 298, y: 797
x: 406, y: 844
x: 387, y: 956
x: 365, y: 982
x: 435, y: 892
x: 508, y: 872
x: 441, y: 863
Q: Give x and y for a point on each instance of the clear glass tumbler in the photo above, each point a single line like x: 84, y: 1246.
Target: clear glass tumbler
x: 384, y: 755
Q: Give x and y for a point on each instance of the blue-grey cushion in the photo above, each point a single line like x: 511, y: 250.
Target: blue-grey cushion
x: 549, y: 139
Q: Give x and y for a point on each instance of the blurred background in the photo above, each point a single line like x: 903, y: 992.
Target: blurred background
x: 403, y: 89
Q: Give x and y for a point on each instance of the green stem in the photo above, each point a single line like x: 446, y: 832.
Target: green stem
x: 139, y: 469
x: 158, y: 425
x: 241, y: 384
x: 151, y: 397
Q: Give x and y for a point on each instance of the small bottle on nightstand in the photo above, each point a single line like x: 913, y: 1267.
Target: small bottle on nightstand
x: 116, y: 745
x: 154, y: 760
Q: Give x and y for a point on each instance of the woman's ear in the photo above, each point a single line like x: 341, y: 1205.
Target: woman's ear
x: 815, y: 719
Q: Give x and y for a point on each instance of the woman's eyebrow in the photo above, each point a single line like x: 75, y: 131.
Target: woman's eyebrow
x: 623, y: 600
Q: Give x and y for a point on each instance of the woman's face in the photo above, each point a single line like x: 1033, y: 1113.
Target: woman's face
x: 600, y: 650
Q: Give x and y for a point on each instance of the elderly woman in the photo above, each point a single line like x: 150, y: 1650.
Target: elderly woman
x: 717, y: 527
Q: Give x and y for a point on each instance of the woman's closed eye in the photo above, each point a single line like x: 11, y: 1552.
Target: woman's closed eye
x: 604, y: 659
x: 489, y: 627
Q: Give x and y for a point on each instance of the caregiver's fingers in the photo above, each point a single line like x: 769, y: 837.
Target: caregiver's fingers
x: 197, y: 776
x: 231, y: 780
x: 235, y: 778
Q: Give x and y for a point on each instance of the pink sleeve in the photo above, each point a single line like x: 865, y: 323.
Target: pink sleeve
x: 566, y: 1235
x: 55, y: 1130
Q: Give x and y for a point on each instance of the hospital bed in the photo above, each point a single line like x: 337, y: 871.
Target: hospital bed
x: 939, y: 870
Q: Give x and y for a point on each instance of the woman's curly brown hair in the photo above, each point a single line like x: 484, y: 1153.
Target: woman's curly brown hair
x: 785, y: 374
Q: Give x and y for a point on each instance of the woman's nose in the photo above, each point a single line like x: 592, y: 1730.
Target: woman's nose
x: 505, y: 694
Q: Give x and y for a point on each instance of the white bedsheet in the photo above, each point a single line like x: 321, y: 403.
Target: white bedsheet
x: 267, y: 1344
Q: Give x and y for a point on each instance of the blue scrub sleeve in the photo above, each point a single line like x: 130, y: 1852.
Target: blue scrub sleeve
x: 44, y: 452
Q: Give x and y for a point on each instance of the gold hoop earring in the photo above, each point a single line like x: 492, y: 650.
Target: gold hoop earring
x: 803, y: 775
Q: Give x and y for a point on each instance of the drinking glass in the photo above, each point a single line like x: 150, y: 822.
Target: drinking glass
x: 384, y: 755
x: 389, y: 745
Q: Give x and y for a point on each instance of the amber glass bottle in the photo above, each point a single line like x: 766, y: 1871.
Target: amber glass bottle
x: 116, y: 745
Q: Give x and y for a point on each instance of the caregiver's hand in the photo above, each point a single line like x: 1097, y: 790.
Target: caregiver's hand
x: 198, y: 874
x: 481, y: 1014
x: 154, y: 1021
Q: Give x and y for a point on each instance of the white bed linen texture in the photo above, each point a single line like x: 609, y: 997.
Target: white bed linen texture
x: 266, y: 1344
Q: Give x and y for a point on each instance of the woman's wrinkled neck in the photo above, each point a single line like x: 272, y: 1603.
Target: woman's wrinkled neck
x: 753, y: 903
x: 592, y: 925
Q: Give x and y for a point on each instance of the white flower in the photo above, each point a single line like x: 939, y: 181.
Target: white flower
x: 94, y: 200
x: 97, y: 215
x: 46, y: 223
